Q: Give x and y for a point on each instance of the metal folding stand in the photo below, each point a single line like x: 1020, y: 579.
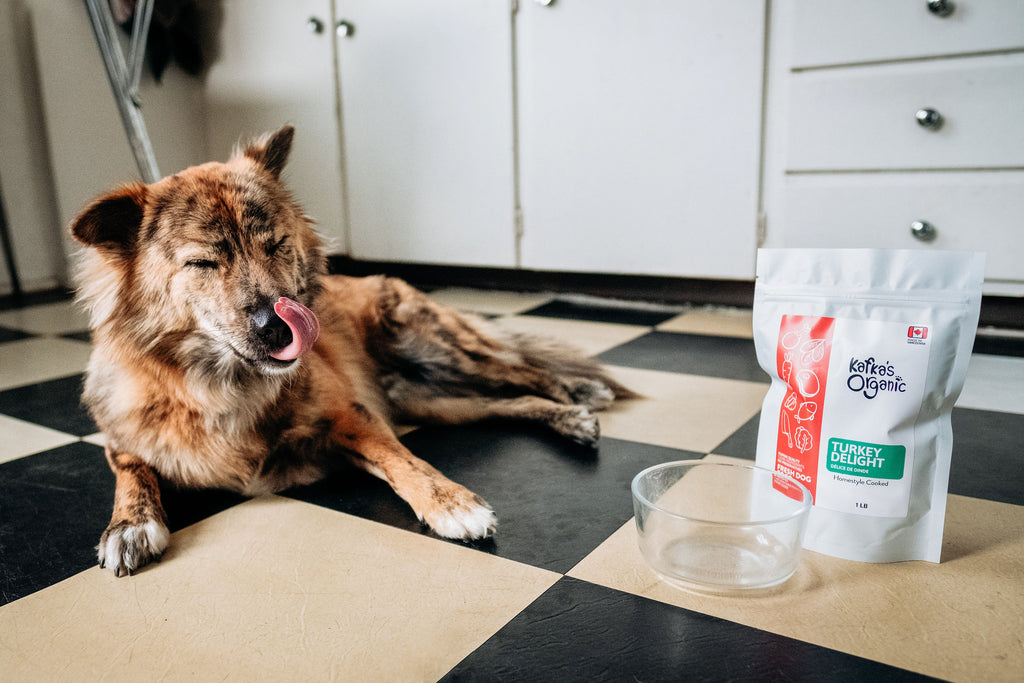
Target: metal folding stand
x: 124, y: 75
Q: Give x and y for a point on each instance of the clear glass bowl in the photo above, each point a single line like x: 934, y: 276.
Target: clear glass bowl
x: 720, y: 527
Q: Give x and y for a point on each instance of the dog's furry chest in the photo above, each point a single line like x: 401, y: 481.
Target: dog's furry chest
x: 215, y: 437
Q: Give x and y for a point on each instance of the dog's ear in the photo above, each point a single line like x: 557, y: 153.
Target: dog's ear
x: 271, y: 151
x: 112, y: 221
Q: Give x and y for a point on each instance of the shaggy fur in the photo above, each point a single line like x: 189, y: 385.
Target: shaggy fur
x: 180, y: 275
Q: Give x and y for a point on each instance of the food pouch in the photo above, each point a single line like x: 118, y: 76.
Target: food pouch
x: 867, y: 351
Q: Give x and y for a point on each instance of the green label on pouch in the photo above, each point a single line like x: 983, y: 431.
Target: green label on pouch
x: 866, y: 459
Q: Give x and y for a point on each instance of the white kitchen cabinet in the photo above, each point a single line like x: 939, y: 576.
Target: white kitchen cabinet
x: 580, y: 135
x: 848, y: 163
x: 969, y: 211
x: 835, y: 32
x: 273, y: 63
x: 624, y: 133
x: 639, y: 135
x: 427, y: 115
x: 865, y: 117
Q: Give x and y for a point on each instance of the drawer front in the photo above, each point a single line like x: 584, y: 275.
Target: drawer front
x: 829, y: 32
x: 865, y: 118
x: 969, y: 211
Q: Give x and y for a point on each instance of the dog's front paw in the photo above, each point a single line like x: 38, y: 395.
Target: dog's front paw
x: 125, y: 547
x: 460, y: 514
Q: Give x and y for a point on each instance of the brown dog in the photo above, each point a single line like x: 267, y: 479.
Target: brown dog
x: 206, y: 370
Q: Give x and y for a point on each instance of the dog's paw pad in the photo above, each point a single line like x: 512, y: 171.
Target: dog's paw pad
x: 125, y: 548
x: 465, y: 516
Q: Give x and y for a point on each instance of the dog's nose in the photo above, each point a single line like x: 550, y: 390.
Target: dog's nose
x: 270, y: 329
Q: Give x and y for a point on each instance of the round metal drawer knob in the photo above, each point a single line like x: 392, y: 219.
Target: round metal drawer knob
x: 924, y: 231
x: 315, y: 25
x: 345, y: 29
x: 941, y: 8
x: 929, y: 118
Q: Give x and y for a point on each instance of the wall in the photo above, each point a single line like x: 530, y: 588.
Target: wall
x: 25, y: 173
x: 62, y: 138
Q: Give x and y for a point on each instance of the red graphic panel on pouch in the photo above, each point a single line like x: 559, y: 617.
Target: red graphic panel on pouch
x: 802, y: 356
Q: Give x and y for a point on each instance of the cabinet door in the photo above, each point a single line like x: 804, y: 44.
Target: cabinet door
x: 639, y: 135
x: 426, y: 93
x: 271, y: 67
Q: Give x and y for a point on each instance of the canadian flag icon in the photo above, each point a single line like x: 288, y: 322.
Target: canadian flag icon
x: 917, y: 333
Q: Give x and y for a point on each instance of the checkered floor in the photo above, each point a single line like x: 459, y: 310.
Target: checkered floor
x: 339, y: 581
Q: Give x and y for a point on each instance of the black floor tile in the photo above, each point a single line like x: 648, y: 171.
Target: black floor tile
x: 578, y: 631
x: 9, y: 335
x: 602, y: 314
x: 743, y: 442
x: 54, y: 506
x: 185, y: 507
x: 999, y: 346
x: 987, y: 456
x: 84, y: 336
x: 55, y: 404
x: 555, y: 502
x: 51, y: 296
x: 693, y: 354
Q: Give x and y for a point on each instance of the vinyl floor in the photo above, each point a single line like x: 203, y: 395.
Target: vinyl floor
x: 338, y: 581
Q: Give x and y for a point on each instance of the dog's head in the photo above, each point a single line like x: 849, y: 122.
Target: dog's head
x: 189, y: 268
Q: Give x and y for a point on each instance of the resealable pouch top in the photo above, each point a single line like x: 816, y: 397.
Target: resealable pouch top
x: 867, y: 351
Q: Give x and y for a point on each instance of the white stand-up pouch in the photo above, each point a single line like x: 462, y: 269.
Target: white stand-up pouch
x: 867, y: 351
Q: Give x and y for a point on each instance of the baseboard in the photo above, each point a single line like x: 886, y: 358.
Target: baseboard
x: 1005, y: 312
x: 652, y: 289
x: 996, y: 311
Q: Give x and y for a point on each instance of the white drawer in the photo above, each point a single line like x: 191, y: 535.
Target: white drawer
x: 862, y: 118
x: 970, y: 211
x: 828, y: 32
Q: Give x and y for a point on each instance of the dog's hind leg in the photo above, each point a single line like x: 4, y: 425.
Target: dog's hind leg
x: 450, y: 509
x: 576, y: 422
x: 137, y: 533
x: 427, y: 343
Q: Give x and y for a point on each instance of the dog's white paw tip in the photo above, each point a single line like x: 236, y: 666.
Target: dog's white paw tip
x: 467, y: 523
x: 124, y: 549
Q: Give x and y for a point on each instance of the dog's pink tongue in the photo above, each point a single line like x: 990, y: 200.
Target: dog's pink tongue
x: 304, y: 326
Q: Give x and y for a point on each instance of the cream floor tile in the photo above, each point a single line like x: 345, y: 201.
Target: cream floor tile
x: 958, y: 620
x: 994, y: 383
x: 487, y: 302
x: 589, y: 337
x: 681, y: 411
x: 24, y: 438
x: 39, y: 359
x: 272, y: 589
x: 58, y: 318
x: 97, y: 439
x: 726, y: 322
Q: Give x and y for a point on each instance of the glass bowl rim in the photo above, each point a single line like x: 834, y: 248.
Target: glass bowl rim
x: 802, y: 509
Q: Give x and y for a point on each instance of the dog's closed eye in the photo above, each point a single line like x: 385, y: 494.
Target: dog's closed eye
x: 202, y: 264
x: 274, y: 247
